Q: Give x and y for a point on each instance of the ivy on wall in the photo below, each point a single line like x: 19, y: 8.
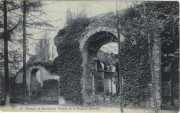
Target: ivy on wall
x: 69, y: 61
x: 136, y: 24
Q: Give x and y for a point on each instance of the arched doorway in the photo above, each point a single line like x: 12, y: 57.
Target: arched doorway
x: 107, y: 69
x: 35, y: 85
x: 90, y: 62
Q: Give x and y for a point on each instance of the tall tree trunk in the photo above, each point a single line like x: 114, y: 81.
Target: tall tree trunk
x: 6, y: 55
x: 173, y: 30
x: 172, y: 76
x: 151, y: 60
x: 152, y: 72
x: 176, y: 48
x: 119, y: 57
x: 24, y: 50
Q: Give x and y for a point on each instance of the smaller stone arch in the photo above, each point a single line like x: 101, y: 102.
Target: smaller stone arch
x: 44, y: 75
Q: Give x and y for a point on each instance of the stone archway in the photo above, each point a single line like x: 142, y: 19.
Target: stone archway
x: 43, y: 75
x: 94, y: 40
x: 96, y: 30
x: 90, y: 46
x: 82, y: 47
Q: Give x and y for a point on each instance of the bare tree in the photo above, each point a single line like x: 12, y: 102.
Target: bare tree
x: 120, y: 77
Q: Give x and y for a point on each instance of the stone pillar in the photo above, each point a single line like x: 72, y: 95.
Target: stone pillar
x: 87, y: 78
x: 104, y: 83
x: 93, y: 86
x: 111, y: 86
x: 156, y: 56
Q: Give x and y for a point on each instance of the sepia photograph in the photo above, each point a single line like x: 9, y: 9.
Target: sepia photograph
x: 89, y: 56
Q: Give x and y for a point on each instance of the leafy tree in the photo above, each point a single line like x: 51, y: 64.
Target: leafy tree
x: 42, y: 49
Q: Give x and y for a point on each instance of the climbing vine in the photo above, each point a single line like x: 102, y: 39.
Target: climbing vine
x: 137, y: 23
x: 69, y: 60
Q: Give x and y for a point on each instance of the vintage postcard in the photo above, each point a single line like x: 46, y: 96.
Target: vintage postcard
x: 89, y: 56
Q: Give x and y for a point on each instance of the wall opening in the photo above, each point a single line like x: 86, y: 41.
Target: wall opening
x: 99, y: 78
x: 35, y: 85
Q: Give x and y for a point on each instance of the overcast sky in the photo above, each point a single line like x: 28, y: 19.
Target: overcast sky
x: 56, y: 15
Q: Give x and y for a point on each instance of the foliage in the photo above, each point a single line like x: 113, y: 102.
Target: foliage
x: 42, y: 48
x: 69, y: 60
x: 71, y: 17
x: 2, y: 88
x: 14, y: 18
x: 107, y: 58
x: 70, y: 71
x: 13, y: 9
x: 136, y: 71
x: 15, y: 60
x: 136, y: 24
